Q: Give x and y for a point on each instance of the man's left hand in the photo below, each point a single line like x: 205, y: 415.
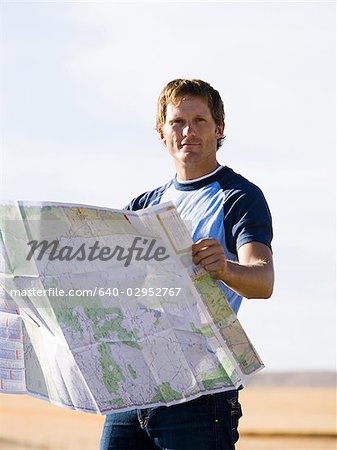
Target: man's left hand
x: 211, y: 255
x: 252, y: 276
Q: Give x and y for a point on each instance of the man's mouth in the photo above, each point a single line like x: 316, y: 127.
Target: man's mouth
x: 190, y: 144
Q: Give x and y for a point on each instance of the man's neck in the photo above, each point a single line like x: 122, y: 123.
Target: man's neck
x: 185, y: 173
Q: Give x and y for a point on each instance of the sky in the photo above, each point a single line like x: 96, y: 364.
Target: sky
x: 79, y: 85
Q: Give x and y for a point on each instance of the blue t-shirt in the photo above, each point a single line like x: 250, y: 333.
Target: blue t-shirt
x: 223, y: 205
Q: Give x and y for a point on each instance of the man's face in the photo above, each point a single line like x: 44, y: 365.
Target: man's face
x: 190, y: 132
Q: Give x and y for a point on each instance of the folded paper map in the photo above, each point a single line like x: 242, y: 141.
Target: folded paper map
x: 103, y: 310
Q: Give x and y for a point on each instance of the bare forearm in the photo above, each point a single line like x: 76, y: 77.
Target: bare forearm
x: 252, y: 276
x: 249, y: 280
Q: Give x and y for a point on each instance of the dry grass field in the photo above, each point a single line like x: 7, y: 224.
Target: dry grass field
x: 274, y: 419
x: 288, y: 419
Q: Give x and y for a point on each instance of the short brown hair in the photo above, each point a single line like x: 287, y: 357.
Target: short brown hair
x: 176, y: 89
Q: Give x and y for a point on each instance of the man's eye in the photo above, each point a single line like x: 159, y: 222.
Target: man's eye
x: 200, y: 119
x: 176, y: 121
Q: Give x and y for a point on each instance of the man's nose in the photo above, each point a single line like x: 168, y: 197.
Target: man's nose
x: 188, y: 130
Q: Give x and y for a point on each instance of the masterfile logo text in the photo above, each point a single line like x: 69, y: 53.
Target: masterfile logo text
x: 140, y: 250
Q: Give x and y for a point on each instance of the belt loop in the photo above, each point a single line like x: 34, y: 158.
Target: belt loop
x: 143, y: 417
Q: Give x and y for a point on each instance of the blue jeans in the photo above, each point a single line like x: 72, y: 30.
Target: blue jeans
x: 208, y: 423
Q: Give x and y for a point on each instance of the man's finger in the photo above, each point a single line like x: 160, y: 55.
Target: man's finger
x: 208, y: 252
x: 204, y: 243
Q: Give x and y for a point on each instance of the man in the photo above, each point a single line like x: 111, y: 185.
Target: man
x: 232, y: 232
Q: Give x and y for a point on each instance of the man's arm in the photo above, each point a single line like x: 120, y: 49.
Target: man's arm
x: 252, y: 276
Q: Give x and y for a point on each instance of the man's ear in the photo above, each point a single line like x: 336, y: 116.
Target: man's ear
x: 162, y: 136
x: 220, y: 130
